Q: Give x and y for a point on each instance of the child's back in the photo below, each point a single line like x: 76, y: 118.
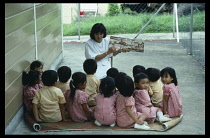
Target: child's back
x: 49, y: 99
x: 123, y: 118
x: 63, y: 86
x: 92, y: 86
x: 156, y: 93
x: 155, y: 86
x: 64, y: 74
x: 74, y: 108
x: 105, y: 109
x: 76, y: 99
x: 127, y: 115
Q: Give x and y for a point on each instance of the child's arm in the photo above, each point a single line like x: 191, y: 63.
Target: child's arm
x: 62, y: 109
x: 128, y: 110
x: 165, y: 103
x: 35, y: 112
x: 87, y: 112
x: 150, y: 91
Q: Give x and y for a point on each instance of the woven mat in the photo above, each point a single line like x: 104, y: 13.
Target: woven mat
x: 156, y: 126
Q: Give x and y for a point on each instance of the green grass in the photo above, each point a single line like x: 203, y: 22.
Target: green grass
x: 131, y: 24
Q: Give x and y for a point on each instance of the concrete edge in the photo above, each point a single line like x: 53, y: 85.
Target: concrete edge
x: 15, y: 121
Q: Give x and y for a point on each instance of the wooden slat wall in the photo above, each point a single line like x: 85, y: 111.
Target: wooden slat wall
x: 20, y: 46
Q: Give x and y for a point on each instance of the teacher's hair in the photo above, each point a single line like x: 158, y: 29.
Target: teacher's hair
x: 98, y: 27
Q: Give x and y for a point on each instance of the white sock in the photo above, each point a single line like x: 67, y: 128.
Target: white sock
x: 159, y: 114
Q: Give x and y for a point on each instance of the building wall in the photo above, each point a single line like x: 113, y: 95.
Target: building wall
x: 70, y: 11
x: 23, y: 45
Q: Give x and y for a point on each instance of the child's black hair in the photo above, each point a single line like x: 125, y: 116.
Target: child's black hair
x: 90, y: 66
x: 153, y: 74
x: 36, y: 64
x: 98, y: 27
x: 30, y: 78
x: 77, y: 78
x: 171, y: 72
x: 107, y: 86
x: 138, y: 77
x: 124, y: 84
x: 138, y: 69
x: 112, y: 72
x: 49, y: 77
x: 64, y: 74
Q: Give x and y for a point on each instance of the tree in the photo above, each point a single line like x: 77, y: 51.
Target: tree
x: 113, y: 9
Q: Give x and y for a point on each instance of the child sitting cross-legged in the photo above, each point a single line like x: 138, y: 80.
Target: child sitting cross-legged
x: 92, y: 86
x: 105, y: 110
x: 30, y: 81
x: 49, y: 101
x: 77, y: 99
x: 64, y: 74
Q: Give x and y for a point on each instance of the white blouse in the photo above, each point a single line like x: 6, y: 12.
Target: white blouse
x: 92, y: 49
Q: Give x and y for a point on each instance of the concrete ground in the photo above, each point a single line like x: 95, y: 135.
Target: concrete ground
x: 159, y: 54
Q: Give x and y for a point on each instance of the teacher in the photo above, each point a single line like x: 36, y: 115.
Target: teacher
x: 97, y: 47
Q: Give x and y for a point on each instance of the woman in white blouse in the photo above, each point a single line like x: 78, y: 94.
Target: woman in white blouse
x: 98, y: 48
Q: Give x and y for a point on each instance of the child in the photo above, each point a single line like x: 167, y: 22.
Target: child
x: 92, y: 86
x: 64, y: 74
x: 112, y: 72
x: 76, y: 99
x: 156, y: 86
x: 50, y: 100
x: 38, y: 65
x: 142, y: 99
x: 29, y: 81
x: 138, y: 69
x: 127, y: 116
x: 172, y: 101
x: 105, y: 110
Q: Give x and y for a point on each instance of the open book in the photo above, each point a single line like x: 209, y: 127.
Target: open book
x: 128, y: 44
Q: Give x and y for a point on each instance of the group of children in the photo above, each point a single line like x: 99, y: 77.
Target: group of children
x: 152, y: 95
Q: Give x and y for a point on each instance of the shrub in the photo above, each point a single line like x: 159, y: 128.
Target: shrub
x: 113, y: 9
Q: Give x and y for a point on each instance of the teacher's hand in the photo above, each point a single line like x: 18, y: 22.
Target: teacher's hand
x: 112, y: 49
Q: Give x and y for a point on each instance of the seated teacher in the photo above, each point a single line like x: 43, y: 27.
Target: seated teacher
x: 97, y: 47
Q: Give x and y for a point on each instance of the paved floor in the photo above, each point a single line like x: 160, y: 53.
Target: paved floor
x: 159, y: 54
